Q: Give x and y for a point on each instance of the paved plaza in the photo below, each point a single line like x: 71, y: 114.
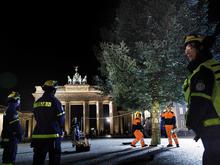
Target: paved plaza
x: 112, y: 151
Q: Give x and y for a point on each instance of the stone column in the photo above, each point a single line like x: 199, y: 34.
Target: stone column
x: 29, y: 127
x: 99, y: 117
x: 68, y: 121
x: 86, y: 117
x: 129, y: 117
x: 111, y: 117
x: 121, y: 125
x: 116, y: 122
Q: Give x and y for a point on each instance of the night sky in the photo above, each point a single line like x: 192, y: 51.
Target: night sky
x: 45, y: 41
x: 41, y: 41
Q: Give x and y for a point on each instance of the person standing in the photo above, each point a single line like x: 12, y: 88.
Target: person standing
x: 169, y: 119
x: 148, y: 127
x: 48, y: 131
x: 137, y: 129
x: 12, y: 131
x: 75, y: 132
x: 162, y: 125
x: 202, y: 93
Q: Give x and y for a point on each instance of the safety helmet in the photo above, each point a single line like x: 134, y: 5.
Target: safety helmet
x: 206, y: 41
x: 194, y: 38
x: 14, y: 96
x: 50, y: 84
x: 170, y: 105
x: 137, y: 114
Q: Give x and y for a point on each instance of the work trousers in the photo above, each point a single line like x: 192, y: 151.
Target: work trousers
x: 43, y: 146
x: 171, y: 135
x: 10, y: 151
x: 211, y: 154
x: 139, y: 136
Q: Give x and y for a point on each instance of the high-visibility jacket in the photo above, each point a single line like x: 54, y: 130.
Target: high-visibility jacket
x: 11, y: 126
x: 49, y: 116
x: 202, y: 93
x: 136, y: 125
x: 169, y: 118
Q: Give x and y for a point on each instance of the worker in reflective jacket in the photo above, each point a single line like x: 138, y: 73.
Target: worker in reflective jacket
x: 169, y: 119
x: 202, y: 93
x: 49, y: 116
x: 12, y: 132
x: 137, y: 129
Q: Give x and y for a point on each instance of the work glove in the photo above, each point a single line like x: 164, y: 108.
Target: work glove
x: 196, y: 138
x: 62, y: 134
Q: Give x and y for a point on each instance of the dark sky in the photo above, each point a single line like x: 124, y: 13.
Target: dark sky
x: 45, y: 41
x: 41, y: 41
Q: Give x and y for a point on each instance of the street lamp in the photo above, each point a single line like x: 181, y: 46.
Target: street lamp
x: 108, y: 119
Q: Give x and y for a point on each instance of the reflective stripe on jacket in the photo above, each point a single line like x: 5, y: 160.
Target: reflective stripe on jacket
x: 214, y: 66
x: 169, y: 118
x: 11, y: 126
x: 49, y: 116
x: 136, y: 124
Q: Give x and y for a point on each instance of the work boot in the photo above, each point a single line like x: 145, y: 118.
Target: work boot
x: 133, y: 145
x: 169, y: 145
x: 145, y: 145
x: 177, y: 145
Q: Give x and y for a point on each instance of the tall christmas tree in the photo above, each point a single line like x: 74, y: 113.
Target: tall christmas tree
x: 143, y: 61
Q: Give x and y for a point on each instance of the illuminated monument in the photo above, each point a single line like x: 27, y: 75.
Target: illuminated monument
x: 86, y: 104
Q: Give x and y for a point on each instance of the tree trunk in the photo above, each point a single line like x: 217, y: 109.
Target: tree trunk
x: 155, y: 138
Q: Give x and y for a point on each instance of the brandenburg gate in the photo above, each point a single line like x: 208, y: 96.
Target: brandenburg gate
x: 87, y: 105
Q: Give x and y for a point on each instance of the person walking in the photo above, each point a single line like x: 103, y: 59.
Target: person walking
x: 48, y: 131
x: 12, y: 131
x: 202, y: 93
x: 137, y: 129
x: 169, y: 119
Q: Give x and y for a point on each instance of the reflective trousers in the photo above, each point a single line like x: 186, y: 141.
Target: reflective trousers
x: 139, y: 136
x: 171, y: 135
x: 10, y: 151
x: 43, y: 146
